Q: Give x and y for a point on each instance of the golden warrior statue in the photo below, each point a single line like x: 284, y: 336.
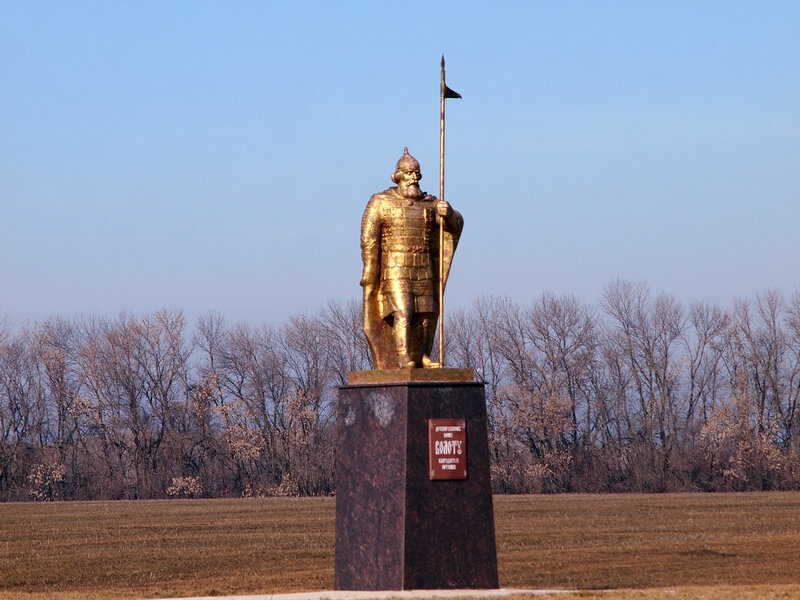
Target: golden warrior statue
x: 400, y: 250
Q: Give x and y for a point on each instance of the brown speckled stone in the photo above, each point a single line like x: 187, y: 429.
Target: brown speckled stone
x: 395, y: 528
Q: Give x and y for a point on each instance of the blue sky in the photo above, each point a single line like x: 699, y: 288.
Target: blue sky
x: 218, y: 155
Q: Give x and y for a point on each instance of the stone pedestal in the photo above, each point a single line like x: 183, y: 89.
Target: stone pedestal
x: 396, y: 528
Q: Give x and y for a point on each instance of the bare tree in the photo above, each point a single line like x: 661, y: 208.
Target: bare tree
x: 642, y: 339
x: 20, y: 413
x: 346, y: 343
x: 136, y: 379
x: 311, y: 409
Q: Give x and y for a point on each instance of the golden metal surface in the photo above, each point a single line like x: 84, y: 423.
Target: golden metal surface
x: 410, y: 375
x: 400, y: 250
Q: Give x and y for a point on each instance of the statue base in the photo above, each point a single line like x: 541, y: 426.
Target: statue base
x: 410, y: 375
x: 408, y: 514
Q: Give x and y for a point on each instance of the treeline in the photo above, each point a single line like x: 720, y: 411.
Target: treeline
x: 637, y: 394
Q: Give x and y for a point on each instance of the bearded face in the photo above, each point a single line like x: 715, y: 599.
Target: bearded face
x: 407, y: 183
x: 412, y: 191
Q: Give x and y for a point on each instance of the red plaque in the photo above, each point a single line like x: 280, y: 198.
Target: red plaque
x: 447, y: 448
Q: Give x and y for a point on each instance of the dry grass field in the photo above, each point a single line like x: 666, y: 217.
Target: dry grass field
x: 677, y: 546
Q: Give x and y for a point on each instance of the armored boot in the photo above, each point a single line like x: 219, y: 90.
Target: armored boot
x: 429, y: 363
x: 402, y: 328
x: 428, y: 336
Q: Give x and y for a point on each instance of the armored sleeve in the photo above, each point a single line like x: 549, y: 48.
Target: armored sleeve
x: 371, y: 242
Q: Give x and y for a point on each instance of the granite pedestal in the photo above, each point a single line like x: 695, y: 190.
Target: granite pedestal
x: 397, y: 529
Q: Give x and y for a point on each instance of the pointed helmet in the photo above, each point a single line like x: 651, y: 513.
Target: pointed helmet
x: 407, y: 162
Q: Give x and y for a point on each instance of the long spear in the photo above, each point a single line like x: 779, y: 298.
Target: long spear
x: 444, y: 92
